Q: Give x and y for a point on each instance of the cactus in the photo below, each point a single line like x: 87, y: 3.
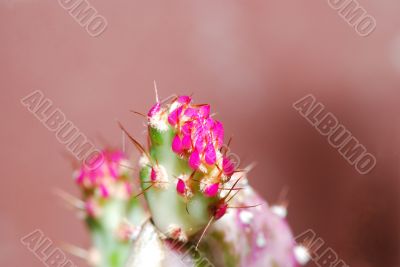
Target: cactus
x: 112, y: 213
x: 193, y: 192
x: 184, y: 172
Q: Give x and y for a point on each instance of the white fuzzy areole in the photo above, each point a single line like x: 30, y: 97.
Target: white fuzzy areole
x: 301, y: 254
x: 279, y: 210
x: 159, y: 121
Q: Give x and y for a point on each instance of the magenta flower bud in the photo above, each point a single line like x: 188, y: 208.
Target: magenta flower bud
x: 228, y: 166
x: 153, y: 175
x: 177, y: 146
x: 187, y: 128
x: 211, y: 190
x: 220, y: 211
x: 204, y: 111
x: 199, y: 144
x: 210, y: 155
x: 190, y: 112
x: 218, y: 130
x: 173, y: 117
x: 186, y: 142
x: 184, y: 99
x: 181, y: 187
x: 154, y: 110
x: 194, y: 160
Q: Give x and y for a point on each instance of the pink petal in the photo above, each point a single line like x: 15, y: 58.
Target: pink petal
x: 156, y: 108
x: 177, y: 145
x: 186, y: 142
x: 187, y: 128
x: 218, y: 130
x: 190, y: 112
x: 194, y: 160
x: 227, y: 166
x: 199, y: 144
x: 184, y: 99
x: 210, y: 123
x: 210, y: 155
x: 180, y: 187
x: 173, y: 117
x: 211, y: 190
x: 204, y: 111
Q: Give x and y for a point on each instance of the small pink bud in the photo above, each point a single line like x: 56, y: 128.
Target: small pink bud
x: 154, y: 110
x: 153, y: 175
x: 177, y: 145
x: 228, y: 166
x: 181, y: 187
x: 194, y: 160
x: 211, y: 190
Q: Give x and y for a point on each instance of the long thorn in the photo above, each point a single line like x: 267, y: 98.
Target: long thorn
x: 204, y: 232
x: 156, y: 91
x: 133, y: 140
x: 143, y: 191
x: 245, y: 207
x: 70, y: 199
x: 138, y: 113
x: 230, y: 191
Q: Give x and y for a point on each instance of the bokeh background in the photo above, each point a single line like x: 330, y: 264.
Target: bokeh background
x: 250, y: 60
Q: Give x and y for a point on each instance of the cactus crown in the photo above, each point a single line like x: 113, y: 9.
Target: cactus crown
x: 111, y: 179
x: 185, y: 172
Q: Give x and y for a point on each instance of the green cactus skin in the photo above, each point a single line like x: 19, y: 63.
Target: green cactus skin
x: 168, y: 208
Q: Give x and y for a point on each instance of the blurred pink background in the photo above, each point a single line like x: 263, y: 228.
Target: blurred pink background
x: 250, y: 60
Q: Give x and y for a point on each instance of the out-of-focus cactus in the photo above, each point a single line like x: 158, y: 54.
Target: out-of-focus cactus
x: 256, y: 237
x: 184, y: 172
x: 113, y: 215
